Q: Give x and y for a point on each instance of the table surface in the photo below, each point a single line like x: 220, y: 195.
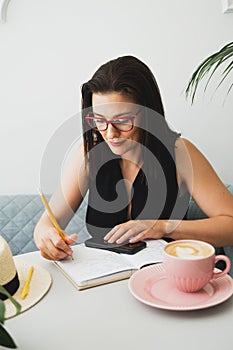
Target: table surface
x: 109, y: 317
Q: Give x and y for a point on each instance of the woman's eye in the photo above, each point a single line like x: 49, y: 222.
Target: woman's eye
x: 121, y: 121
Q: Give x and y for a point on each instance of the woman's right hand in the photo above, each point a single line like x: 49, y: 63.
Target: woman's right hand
x: 52, y: 246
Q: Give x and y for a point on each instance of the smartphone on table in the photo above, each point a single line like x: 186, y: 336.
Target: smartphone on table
x: 125, y: 248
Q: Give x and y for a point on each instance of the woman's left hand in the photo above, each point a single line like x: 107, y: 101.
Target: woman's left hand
x: 136, y: 230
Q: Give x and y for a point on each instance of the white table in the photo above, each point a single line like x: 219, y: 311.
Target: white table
x: 109, y: 317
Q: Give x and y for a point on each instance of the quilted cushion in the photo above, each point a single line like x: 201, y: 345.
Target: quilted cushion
x: 19, y: 215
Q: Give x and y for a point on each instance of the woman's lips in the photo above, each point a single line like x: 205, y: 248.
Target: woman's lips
x: 116, y: 143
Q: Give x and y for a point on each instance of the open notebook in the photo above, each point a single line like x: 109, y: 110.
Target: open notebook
x: 92, y: 267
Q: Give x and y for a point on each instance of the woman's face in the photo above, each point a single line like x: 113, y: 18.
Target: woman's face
x: 116, y: 105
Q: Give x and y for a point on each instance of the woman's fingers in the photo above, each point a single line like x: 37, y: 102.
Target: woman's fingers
x: 71, y: 239
x: 154, y: 231
x: 120, y: 232
x: 111, y: 233
x: 135, y: 230
x: 126, y: 231
x: 53, y: 247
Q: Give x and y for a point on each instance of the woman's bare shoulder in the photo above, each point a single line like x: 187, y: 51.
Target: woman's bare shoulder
x: 187, y: 154
x: 190, y: 162
x: 184, y: 150
x: 76, y: 165
x: 182, y: 144
x: 77, y: 157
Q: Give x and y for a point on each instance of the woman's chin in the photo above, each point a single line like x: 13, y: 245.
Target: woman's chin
x: 117, y: 149
x: 117, y: 152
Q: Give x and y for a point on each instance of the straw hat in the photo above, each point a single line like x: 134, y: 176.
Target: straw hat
x: 13, y: 275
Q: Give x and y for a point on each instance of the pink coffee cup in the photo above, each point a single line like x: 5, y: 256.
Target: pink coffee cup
x: 189, y: 264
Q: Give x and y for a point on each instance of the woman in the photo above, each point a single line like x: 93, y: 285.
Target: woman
x: 138, y: 172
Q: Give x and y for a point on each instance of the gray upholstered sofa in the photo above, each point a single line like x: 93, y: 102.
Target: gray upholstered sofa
x: 20, y: 213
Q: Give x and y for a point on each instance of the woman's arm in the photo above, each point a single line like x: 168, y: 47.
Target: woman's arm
x: 208, y: 191
x: 64, y: 203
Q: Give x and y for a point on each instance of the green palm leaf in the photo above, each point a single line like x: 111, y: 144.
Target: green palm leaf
x: 2, y: 311
x: 5, y: 338
x: 16, y: 304
x: 209, y: 66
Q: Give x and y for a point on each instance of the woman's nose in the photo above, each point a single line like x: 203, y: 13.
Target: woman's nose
x: 112, y: 132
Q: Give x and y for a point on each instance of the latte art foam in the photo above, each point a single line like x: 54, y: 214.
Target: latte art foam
x: 189, y: 250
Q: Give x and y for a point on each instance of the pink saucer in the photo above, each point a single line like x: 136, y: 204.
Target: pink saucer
x: 151, y: 287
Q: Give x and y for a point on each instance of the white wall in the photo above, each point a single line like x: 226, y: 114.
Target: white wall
x: 48, y: 48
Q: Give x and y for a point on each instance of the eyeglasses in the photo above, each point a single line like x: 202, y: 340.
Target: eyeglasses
x: 122, y: 123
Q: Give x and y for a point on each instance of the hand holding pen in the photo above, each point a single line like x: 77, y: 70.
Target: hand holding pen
x: 56, y: 248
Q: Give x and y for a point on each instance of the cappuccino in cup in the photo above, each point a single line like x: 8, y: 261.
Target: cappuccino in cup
x: 189, y: 264
x: 188, y: 250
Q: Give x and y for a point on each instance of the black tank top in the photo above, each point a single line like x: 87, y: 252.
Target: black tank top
x: 155, y: 194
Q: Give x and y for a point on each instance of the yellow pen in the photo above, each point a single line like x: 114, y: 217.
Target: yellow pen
x: 27, y: 283
x: 52, y: 217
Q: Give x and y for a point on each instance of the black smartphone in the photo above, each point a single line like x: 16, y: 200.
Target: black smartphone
x: 125, y: 248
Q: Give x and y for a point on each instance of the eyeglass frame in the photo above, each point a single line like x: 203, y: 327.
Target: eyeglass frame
x: 131, y: 117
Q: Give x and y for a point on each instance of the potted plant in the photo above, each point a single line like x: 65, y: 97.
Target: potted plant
x: 5, y: 338
x: 209, y: 67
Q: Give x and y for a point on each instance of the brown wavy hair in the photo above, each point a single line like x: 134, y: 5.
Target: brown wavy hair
x: 130, y: 76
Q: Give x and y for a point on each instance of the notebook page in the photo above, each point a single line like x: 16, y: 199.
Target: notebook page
x: 153, y: 253
x: 91, y: 263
